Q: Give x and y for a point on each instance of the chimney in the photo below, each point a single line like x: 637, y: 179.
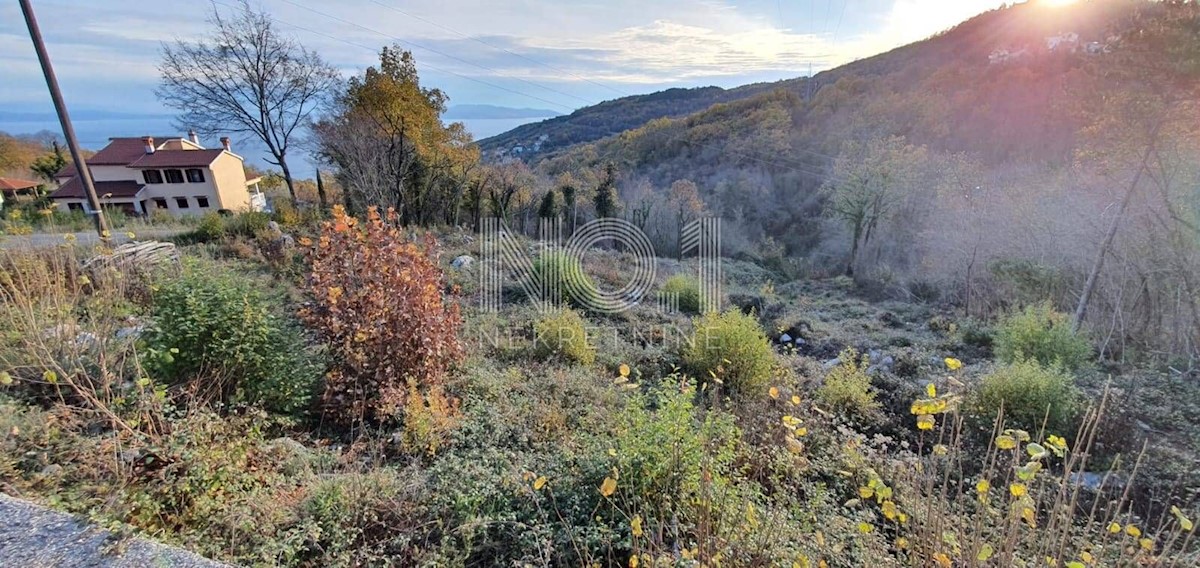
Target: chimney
x: 225, y: 143
x: 149, y: 142
x: 192, y: 136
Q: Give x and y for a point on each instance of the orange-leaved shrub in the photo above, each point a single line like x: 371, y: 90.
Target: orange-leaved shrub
x: 376, y: 299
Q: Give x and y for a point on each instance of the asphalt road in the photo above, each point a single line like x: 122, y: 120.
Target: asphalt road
x: 32, y: 536
x: 42, y: 240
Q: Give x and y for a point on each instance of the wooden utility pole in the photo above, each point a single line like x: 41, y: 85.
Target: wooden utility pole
x: 60, y: 107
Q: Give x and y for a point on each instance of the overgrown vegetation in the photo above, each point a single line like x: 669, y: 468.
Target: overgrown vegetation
x: 1043, y: 335
x: 1030, y: 396
x: 563, y: 333
x: 847, y: 387
x: 216, y: 335
x: 685, y: 291
x: 894, y: 382
x: 376, y: 300
x: 729, y: 349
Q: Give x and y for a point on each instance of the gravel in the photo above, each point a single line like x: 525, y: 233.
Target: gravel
x: 32, y: 536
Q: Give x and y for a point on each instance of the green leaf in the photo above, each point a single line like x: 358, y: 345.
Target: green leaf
x: 985, y: 552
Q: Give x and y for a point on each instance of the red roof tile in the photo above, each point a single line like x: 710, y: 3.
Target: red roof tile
x: 73, y: 189
x: 118, y: 152
x: 10, y: 184
x: 176, y: 159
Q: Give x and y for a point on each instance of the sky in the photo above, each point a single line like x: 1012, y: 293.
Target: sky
x: 548, y: 54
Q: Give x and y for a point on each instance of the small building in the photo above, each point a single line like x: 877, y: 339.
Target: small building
x: 1068, y: 40
x: 1001, y: 55
x: 15, y: 190
x: 175, y: 175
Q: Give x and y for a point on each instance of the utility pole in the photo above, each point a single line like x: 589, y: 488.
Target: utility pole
x: 60, y: 107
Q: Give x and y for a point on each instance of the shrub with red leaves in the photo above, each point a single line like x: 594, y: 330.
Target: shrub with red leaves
x: 376, y: 299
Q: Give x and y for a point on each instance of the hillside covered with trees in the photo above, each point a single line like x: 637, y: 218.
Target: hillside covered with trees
x: 977, y: 148
x: 949, y: 317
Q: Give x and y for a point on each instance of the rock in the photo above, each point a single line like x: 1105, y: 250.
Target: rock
x: 131, y: 332
x: 71, y: 333
x: 1093, y: 481
x: 275, y: 229
x: 831, y: 363
x: 785, y: 338
x: 462, y: 262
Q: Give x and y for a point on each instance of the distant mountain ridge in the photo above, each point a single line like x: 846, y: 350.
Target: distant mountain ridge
x: 83, y: 114
x: 476, y: 112
x: 999, y: 43
x: 615, y: 116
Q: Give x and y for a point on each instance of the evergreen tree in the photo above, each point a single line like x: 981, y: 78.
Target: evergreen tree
x: 548, y: 208
x: 50, y: 164
x: 606, y: 200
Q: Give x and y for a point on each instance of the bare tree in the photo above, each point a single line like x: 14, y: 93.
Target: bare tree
x: 246, y: 78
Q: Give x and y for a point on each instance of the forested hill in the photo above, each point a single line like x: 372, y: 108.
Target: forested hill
x: 1022, y: 102
x: 993, y: 84
x: 612, y: 117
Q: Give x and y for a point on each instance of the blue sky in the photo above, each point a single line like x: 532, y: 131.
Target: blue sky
x: 547, y: 54
x: 568, y: 53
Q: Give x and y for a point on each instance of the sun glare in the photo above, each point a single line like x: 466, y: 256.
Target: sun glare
x: 1056, y: 3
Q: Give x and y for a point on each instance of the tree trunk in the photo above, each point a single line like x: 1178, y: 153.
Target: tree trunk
x: 287, y: 177
x: 321, y: 192
x: 1090, y: 286
x: 854, y: 250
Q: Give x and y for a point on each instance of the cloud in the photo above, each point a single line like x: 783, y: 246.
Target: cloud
x: 570, y: 53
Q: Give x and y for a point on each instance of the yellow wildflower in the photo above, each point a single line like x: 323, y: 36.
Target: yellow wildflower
x: 925, y: 422
x: 953, y: 364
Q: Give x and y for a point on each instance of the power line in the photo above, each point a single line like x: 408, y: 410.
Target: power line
x: 499, y: 48
x: 436, y: 51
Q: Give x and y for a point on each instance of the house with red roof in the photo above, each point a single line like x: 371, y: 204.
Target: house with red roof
x: 12, y: 189
x: 175, y: 175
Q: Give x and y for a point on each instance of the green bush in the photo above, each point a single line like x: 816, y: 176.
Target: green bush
x: 1044, y: 335
x: 211, y: 228
x: 215, y: 330
x: 247, y: 224
x: 847, y: 387
x: 731, y: 347
x: 563, y: 333
x: 686, y: 289
x: 1029, y: 394
x: 561, y: 280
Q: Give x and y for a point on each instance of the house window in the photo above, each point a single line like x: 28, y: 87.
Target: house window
x: 152, y: 176
x: 181, y: 202
x: 160, y: 202
x: 195, y: 175
x: 75, y: 207
x: 173, y: 176
x: 201, y: 202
